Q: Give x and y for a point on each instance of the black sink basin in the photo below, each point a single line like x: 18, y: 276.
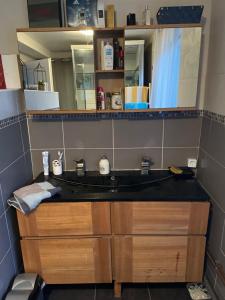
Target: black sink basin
x: 115, y: 182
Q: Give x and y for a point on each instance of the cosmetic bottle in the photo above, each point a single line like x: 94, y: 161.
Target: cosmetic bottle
x: 108, y: 57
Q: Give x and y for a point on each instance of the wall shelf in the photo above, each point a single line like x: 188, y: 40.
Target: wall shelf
x: 155, y: 26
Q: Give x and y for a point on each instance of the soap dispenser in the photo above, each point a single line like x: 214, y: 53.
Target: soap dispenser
x: 104, y: 167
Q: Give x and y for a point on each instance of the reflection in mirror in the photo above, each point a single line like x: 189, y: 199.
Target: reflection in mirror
x: 171, y: 64
x: 84, y: 76
x: 57, y: 64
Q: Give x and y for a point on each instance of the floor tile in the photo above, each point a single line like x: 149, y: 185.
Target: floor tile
x: 168, y: 292
x: 70, y: 292
x: 129, y: 291
x: 135, y: 292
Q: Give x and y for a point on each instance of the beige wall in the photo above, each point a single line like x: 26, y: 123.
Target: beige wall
x: 13, y: 14
x: 215, y: 91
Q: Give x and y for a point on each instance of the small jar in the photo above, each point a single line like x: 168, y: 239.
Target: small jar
x: 116, y: 101
x: 108, y: 101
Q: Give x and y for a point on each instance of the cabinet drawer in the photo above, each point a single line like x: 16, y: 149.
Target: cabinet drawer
x: 158, y: 258
x: 59, y: 261
x: 160, y: 217
x: 66, y: 219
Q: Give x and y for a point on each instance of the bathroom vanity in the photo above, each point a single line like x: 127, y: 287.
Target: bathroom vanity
x: 151, y: 232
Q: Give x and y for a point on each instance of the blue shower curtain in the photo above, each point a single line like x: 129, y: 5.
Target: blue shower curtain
x: 166, y: 68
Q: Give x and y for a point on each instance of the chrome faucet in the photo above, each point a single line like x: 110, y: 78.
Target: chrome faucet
x: 80, y: 167
x: 145, y: 166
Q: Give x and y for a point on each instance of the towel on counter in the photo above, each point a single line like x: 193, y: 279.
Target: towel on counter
x: 29, y: 197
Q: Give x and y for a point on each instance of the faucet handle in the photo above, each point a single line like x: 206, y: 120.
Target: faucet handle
x: 80, y: 167
x: 145, y: 166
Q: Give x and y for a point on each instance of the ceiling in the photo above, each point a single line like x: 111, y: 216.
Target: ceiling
x: 52, y: 44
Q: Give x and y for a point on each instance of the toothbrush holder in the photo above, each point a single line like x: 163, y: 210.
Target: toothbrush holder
x: 57, y: 167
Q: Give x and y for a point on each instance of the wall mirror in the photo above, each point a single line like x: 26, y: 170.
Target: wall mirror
x: 162, y: 65
x: 58, y: 69
x: 61, y: 68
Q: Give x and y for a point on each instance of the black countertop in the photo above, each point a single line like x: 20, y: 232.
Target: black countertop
x: 125, y: 186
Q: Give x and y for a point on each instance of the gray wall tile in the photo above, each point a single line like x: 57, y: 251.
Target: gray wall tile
x: 17, y: 256
x: 210, y: 272
x: 212, y: 177
x: 12, y: 224
x: 45, y: 134
x: 214, y: 230
x: 6, y: 268
x: 28, y: 172
x: 1, y: 202
x: 4, y: 237
x: 182, y: 132
x: 13, y: 178
x: 17, y: 172
x: 11, y: 145
x: 223, y: 237
x: 220, y: 289
x: 205, y: 133
x: 131, y: 158
x: 178, y: 156
x: 91, y: 157
x: 133, y: 134
x: 37, y: 160
x: 25, y: 136
x: 216, y: 142
x: 11, y: 103
x: 92, y: 134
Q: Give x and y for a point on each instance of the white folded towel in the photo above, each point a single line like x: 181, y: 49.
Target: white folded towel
x: 29, y: 197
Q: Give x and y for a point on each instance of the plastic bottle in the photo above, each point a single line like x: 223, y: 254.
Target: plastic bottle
x: 108, y: 56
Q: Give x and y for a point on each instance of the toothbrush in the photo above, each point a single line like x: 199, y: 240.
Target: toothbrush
x: 60, y: 154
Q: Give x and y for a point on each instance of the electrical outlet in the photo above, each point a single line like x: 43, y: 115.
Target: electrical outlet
x: 192, y: 162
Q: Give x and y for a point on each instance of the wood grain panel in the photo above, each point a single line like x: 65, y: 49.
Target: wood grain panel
x: 159, y: 258
x: 160, y: 217
x: 66, y: 219
x: 199, y: 214
x: 195, y: 258
x: 151, y: 259
x: 58, y: 261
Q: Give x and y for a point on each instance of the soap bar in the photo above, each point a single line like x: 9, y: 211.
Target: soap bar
x: 110, y: 19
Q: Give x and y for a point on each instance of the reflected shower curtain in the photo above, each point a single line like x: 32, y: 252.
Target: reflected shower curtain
x: 166, y: 68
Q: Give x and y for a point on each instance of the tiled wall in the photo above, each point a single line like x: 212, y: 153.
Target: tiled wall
x: 124, y: 142
x: 15, y: 171
x: 211, y: 174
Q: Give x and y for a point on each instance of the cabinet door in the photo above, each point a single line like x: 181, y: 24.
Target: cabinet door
x: 160, y: 217
x: 158, y: 258
x: 66, y: 219
x: 59, y: 261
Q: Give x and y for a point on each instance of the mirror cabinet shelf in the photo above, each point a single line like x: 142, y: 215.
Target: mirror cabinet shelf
x: 105, y: 70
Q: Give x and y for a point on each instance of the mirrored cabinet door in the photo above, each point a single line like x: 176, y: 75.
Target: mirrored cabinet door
x: 58, y: 69
x: 163, y: 62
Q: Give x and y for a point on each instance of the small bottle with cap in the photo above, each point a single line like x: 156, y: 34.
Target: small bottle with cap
x: 104, y: 166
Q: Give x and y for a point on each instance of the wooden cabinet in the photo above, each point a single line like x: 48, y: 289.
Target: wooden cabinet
x: 72, y: 260
x: 124, y: 241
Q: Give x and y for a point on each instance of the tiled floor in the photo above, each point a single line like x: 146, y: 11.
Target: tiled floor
x: 129, y: 292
